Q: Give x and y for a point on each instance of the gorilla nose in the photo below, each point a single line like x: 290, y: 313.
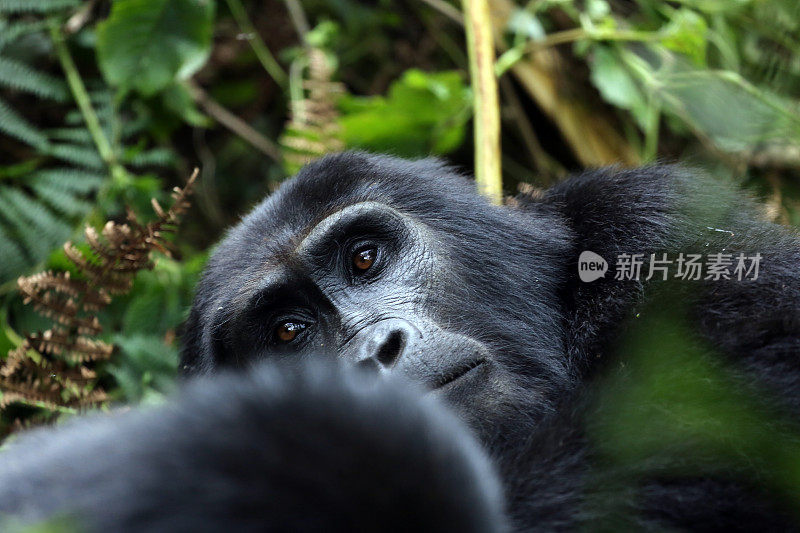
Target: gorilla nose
x: 386, y: 342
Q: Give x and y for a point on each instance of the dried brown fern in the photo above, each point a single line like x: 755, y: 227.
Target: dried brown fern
x: 314, y: 128
x: 54, y: 368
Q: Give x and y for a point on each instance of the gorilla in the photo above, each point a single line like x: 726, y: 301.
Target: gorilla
x: 279, y: 449
x: 400, y: 268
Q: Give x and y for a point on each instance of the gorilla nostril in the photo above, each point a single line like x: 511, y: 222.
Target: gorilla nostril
x: 392, y: 348
x: 368, y: 365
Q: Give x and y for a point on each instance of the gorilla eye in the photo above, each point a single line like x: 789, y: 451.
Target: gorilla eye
x: 287, y: 331
x: 364, y: 258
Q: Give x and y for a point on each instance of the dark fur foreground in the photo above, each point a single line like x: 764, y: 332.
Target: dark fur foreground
x: 310, y: 450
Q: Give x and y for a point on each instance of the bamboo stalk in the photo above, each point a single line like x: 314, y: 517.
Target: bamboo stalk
x: 480, y: 45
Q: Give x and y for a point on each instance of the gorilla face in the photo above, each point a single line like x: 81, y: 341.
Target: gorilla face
x: 397, y: 266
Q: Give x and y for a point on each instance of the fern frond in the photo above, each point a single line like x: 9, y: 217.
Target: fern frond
x: 53, y: 369
x: 38, y: 229
x: 69, y: 180
x: 71, y: 135
x: 80, y: 349
x: 157, y: 157
x: 60, y: 199
x: 11, y: 31
x: 133, y: 127
x: 77, y: 155
x: 17, y: 75
x: 314, y: 128
x: 17, y: 126
x: 14, y: 260
x: 35, y: 6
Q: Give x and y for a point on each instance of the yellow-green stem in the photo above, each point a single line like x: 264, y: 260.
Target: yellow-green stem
x: 480, y: 45
x: 81, y: 97
x: 263, y: 54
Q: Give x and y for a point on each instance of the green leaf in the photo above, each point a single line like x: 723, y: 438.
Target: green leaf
x: 423, y: 113
x: 178, y: 100
x: 616, y: 85
x: 686, y: 34
x: 719, y: 105
x: 146, y: 44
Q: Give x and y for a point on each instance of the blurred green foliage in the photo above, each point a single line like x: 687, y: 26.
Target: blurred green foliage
x: 422, y: 114
x: 676, y: 410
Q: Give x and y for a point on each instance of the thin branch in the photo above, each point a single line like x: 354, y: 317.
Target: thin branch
x: 549, y: 167
x: 81, y: 97
x: 576, y: 34
x: 480, y: 45
x: 299, y: 19
x: 235, y: 124
x: 447, y: 10
x: 263, y: 54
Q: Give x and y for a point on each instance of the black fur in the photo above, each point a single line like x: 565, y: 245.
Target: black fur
x: 483, y: 306
x: 500, y: 284
x: 303, y: 450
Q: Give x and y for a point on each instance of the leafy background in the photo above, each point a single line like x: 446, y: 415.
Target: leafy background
x: 107, y: 104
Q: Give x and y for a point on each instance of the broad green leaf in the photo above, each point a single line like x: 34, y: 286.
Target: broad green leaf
x: 720, y: 105
x: 730, y: 111
x: 616, y: 85
x: 423, y: 113
x: 146, y: 44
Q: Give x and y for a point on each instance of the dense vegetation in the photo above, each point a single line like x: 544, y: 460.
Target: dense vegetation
x: 106, y: 104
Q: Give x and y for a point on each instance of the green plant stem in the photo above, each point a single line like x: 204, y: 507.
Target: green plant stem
x: 575, y: 34
x: 299, y: 19
x: 480, y: 46
x: 84, y: 102
x: 263, y: 54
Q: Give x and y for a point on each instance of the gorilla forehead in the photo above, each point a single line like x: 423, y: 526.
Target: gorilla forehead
x: 425, y: 190
x: 420, y: 188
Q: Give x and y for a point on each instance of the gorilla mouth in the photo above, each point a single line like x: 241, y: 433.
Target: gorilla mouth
x: 457, y: 373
